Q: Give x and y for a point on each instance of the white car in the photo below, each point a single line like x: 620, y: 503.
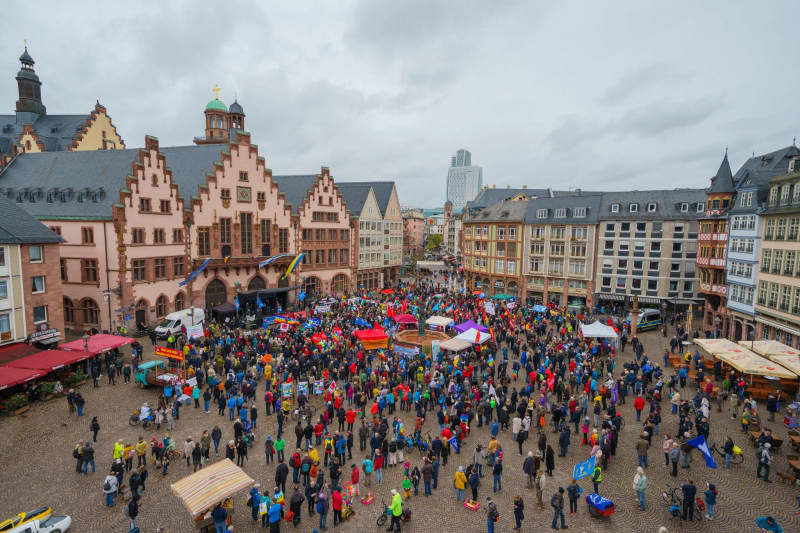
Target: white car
x: 51, y: 524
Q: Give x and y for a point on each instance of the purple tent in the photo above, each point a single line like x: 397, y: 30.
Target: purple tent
x: 461, y: 328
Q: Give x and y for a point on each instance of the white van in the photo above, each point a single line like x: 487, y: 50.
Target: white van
x: 172, y: 322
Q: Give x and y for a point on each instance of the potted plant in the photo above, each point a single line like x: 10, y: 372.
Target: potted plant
x: 17, y: 404
x: 48, y: 389
x: 76, y: 378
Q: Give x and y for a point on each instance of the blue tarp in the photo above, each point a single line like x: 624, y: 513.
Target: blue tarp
x: 598, y: 502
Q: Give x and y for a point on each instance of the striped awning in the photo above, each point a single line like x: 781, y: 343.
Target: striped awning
x: 207, y: 487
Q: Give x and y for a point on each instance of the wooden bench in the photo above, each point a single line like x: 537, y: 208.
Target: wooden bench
x: 787, y: 478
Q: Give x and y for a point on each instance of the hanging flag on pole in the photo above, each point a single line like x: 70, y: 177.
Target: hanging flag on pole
x: 195, y: 273
x: 294, y: 264
x: 454, y: 443
x: 270, y: 260
x: 259, y: 303
x: 237, y: 303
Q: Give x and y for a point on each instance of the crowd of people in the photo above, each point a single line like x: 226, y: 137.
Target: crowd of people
x: 536, y: 379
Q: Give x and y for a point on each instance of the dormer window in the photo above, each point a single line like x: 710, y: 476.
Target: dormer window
x: 615, y: 208
x: 633, y: 208
x: 541, y: 213
x: 651, y: 207
x: 561, y: 212
x: 685, y: 207
x: 579, y: 212
x: 701, y: 207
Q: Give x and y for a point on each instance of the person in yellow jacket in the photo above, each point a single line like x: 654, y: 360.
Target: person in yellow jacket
x: 460, y: 483
x: 268, y: 371
x: 119, y: 450
x: 397, y: 510
x: 314, y: 455
x: 141, y: 451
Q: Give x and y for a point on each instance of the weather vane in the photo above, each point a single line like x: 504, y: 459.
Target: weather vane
x: 216, y: 91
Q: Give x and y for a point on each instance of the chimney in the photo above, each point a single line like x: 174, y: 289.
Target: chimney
x: 524, y: 186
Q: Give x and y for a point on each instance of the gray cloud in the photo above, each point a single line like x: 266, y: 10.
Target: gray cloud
x: 544, y: 94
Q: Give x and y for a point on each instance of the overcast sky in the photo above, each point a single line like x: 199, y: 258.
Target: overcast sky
x: 598, y: 95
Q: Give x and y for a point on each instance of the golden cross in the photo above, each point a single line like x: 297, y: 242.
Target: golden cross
x: 216, y: 91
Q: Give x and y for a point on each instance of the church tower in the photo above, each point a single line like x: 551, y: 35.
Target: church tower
x: 236, y: 116
x: 217, y: 122
x: 30, y: 90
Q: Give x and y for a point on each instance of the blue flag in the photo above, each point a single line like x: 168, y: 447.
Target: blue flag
x: 701, y: 444
x: 259, y: 303
x: 237, y: 303
x: 301, y: 296
x: 435, y: 307
x: 454, y: 443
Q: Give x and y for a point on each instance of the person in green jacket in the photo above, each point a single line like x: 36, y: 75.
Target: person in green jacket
x: 397, y: 510
x: 280, y: 444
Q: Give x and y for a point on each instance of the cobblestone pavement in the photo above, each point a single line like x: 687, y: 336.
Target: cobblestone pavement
x: 38, y: 469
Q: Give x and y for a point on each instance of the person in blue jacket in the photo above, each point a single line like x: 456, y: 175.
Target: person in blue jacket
x: 767, y: 523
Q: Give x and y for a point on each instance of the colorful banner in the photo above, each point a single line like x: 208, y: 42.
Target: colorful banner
x: 286, y: 390
x: 332, y: 387
x: 405, y: 351
x: 302, y: 388
x: 319, y: 387
x: 170, y: 353
x: 195, y: 273
x: 196, y: 331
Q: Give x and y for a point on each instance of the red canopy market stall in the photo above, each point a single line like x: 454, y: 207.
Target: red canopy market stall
x: 372, y: 339
x: 405, y: 320
x: 50, y: 360
x: 99, y: 343
x: 10, y: 376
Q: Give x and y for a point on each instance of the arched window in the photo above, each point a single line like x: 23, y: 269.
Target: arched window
x: 91, y: 312
x: 179, y: 301
x: 339, y: 284
x: 69, y: 311
x: 161, y: 306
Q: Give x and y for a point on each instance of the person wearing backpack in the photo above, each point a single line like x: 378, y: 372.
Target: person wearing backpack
x: 110, y: 486
x: 557, y: 503
x: 573, y: 493
x: 296, y: 462
x: 322, y: 506
x: 492, y: 515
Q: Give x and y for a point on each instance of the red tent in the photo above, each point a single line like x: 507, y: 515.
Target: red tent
x: 50, y: 360
x: 98, y: 343
x: 387, y: 291
x: 10, y: 376
x: 405, y: 319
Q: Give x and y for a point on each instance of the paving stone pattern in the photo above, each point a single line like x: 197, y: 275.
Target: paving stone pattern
x: 38, y: 469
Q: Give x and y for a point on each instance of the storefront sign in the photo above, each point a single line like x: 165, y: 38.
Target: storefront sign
x: 170, y: 353
x: 44, y: 334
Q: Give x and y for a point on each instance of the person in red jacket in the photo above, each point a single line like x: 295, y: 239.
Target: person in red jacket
x: 350, y: 417
x: 336, y: 503
x: 354, y: 474
x: 638, y: 404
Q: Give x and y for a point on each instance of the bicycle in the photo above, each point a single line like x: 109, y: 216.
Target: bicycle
x: 737, y: 457
x: 671, y: 496
x: 305, y: 412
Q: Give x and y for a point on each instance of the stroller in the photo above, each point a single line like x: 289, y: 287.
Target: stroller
x: 249, y: 435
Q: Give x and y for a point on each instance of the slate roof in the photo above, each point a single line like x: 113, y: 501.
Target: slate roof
x: 589, y: 201
x: 489, y: 196
x: 382, y: 189
x: 18, y: 227
x: 55, y: 131
x: 55, y: 184
x: 502, y: 211
x: 354, y: 196
x: 758, y: 170
x: 723, y: 180
x: 668, y: 204
x: 295, y: 188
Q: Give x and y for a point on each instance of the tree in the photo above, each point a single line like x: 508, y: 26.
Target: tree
x: 434, y: 241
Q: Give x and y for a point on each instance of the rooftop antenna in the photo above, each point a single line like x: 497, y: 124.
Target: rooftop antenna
x: 794, y: 139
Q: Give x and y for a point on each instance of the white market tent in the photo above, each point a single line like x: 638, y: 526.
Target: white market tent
x: 597, y: 330
x: 471, y: 334
x: 440, y: 321
x: 455, y: 345
x: 743, y: 359
x: 778, y: 352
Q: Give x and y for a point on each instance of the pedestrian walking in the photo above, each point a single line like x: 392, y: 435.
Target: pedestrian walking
x: 557, y: 503
x: 640, y: 486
